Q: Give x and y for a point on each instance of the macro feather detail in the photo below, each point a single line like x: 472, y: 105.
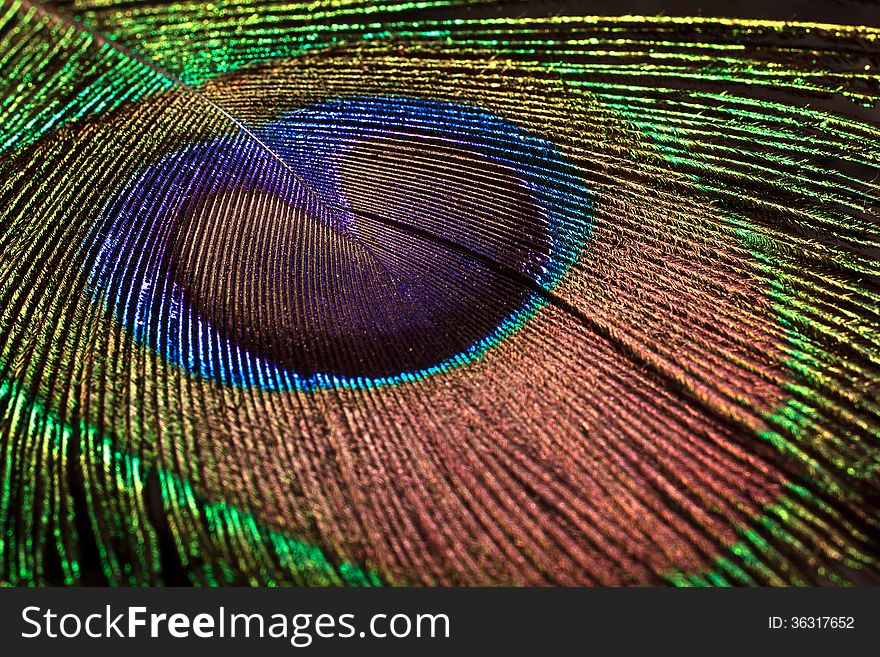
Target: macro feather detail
x: 387, y: 293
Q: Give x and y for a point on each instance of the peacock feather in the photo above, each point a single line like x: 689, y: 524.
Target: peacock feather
x: 439, y: 293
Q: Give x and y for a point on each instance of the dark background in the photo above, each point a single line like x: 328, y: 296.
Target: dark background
x: 853, y: 12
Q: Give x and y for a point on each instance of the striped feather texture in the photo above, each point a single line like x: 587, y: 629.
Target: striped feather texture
x: 440, y: 293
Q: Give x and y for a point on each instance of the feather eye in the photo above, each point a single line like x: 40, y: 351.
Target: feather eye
x: 306, y: 268
x: 434, y: 299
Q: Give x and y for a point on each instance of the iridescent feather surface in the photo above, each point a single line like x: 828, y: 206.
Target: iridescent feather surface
x: 436, y: 293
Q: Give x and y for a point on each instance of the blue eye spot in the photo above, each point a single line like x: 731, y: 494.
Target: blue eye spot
x: 356, y: 243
